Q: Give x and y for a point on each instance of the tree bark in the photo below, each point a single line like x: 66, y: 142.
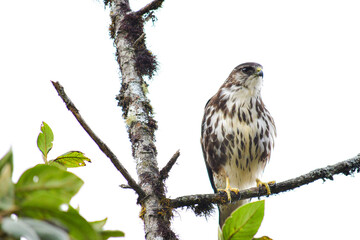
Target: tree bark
x: 127, y: 27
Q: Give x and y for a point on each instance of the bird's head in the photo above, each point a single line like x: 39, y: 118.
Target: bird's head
x: 246, y: 76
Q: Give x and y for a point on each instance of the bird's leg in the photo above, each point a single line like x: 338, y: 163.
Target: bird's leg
x: 265, y: 184
x: 228, y: 189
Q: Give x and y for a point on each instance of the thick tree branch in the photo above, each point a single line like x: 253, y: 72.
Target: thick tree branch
x: 103, y: 147
x: 155, y: 4
x: 136, y: 61
x: 164, y: 173
x: 347, y: 167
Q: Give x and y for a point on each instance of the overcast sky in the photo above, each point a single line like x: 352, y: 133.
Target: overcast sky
x: 310, y: 54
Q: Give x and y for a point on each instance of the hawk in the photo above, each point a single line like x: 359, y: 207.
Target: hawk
x: 237, y: 134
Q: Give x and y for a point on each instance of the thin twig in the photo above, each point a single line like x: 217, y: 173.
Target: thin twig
x: 155, y: 4
x: 125, y: 186
x: 149, y: 16
x: 347, y: 167
x: 142, y: 36
x: 164, y: 173
x: 103, y: 147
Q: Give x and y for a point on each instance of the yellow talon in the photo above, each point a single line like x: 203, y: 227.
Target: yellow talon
x: 228, y: 189
x: 265, y: 184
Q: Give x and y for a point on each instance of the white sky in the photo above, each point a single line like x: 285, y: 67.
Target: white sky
x: 310, y: 53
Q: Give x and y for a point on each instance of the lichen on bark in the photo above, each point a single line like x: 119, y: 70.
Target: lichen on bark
x: 136, y: 62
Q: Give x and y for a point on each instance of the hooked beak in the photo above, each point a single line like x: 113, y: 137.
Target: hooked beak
x: 259, y: 72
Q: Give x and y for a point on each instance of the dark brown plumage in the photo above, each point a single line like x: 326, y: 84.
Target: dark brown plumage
x: 237, y: 133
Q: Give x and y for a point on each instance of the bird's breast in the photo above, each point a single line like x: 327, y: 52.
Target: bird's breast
x: 245, y: 139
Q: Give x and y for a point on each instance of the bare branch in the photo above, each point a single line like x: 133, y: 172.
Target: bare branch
x: 155, y: 4
x: 347, y: 167
x: 164, y: 173
x: 103, y: 147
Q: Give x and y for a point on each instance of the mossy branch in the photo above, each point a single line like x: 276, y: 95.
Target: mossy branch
x: 347, y: 167
x: 136, y: 62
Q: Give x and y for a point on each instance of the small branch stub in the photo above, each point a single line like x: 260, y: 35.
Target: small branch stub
x: 164, y: 173
x: 154, y: 5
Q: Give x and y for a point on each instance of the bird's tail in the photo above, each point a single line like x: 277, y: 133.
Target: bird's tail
x: 226, y: 210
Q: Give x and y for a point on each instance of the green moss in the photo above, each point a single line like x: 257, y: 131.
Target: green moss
x: 130, y: 120
x: 144, y: 87
x: 145, y: 62
x: 112, y: 27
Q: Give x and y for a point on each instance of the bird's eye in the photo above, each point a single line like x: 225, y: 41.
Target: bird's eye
x: 248, y: 70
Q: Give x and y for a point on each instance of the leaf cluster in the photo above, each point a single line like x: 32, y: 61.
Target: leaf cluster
x: 70, y: 159
x: 37, y: 206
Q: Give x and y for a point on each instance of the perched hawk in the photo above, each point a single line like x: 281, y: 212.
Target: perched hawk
x: 237, y: 134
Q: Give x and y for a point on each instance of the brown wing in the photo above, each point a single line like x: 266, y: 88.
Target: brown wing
x: 203, y: 132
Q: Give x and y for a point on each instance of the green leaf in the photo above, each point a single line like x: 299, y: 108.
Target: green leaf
x: 56, y: 164
x: 45, y: 139
x: 52, y: 209
x: 105, y: 234
x: 244, y: 222
x: 71, y: 159
x: 44, y: 178
x: 46, y: 230
x: 110, y: 233
x: 43, y: 199
x: 98, y: 225
x: 220, y: 234
x: 18, y: 229
x: 7, y: 159
x: 7, y: 186
x: 33, y: 229
x: 262, y: 238
x: 43, y: 192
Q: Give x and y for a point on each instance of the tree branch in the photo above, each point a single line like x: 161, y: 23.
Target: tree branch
x: 347, y: 167
x: 155, y: 4
x: 136, y: 61
x: 164, y: 173
x: 103, y: 147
